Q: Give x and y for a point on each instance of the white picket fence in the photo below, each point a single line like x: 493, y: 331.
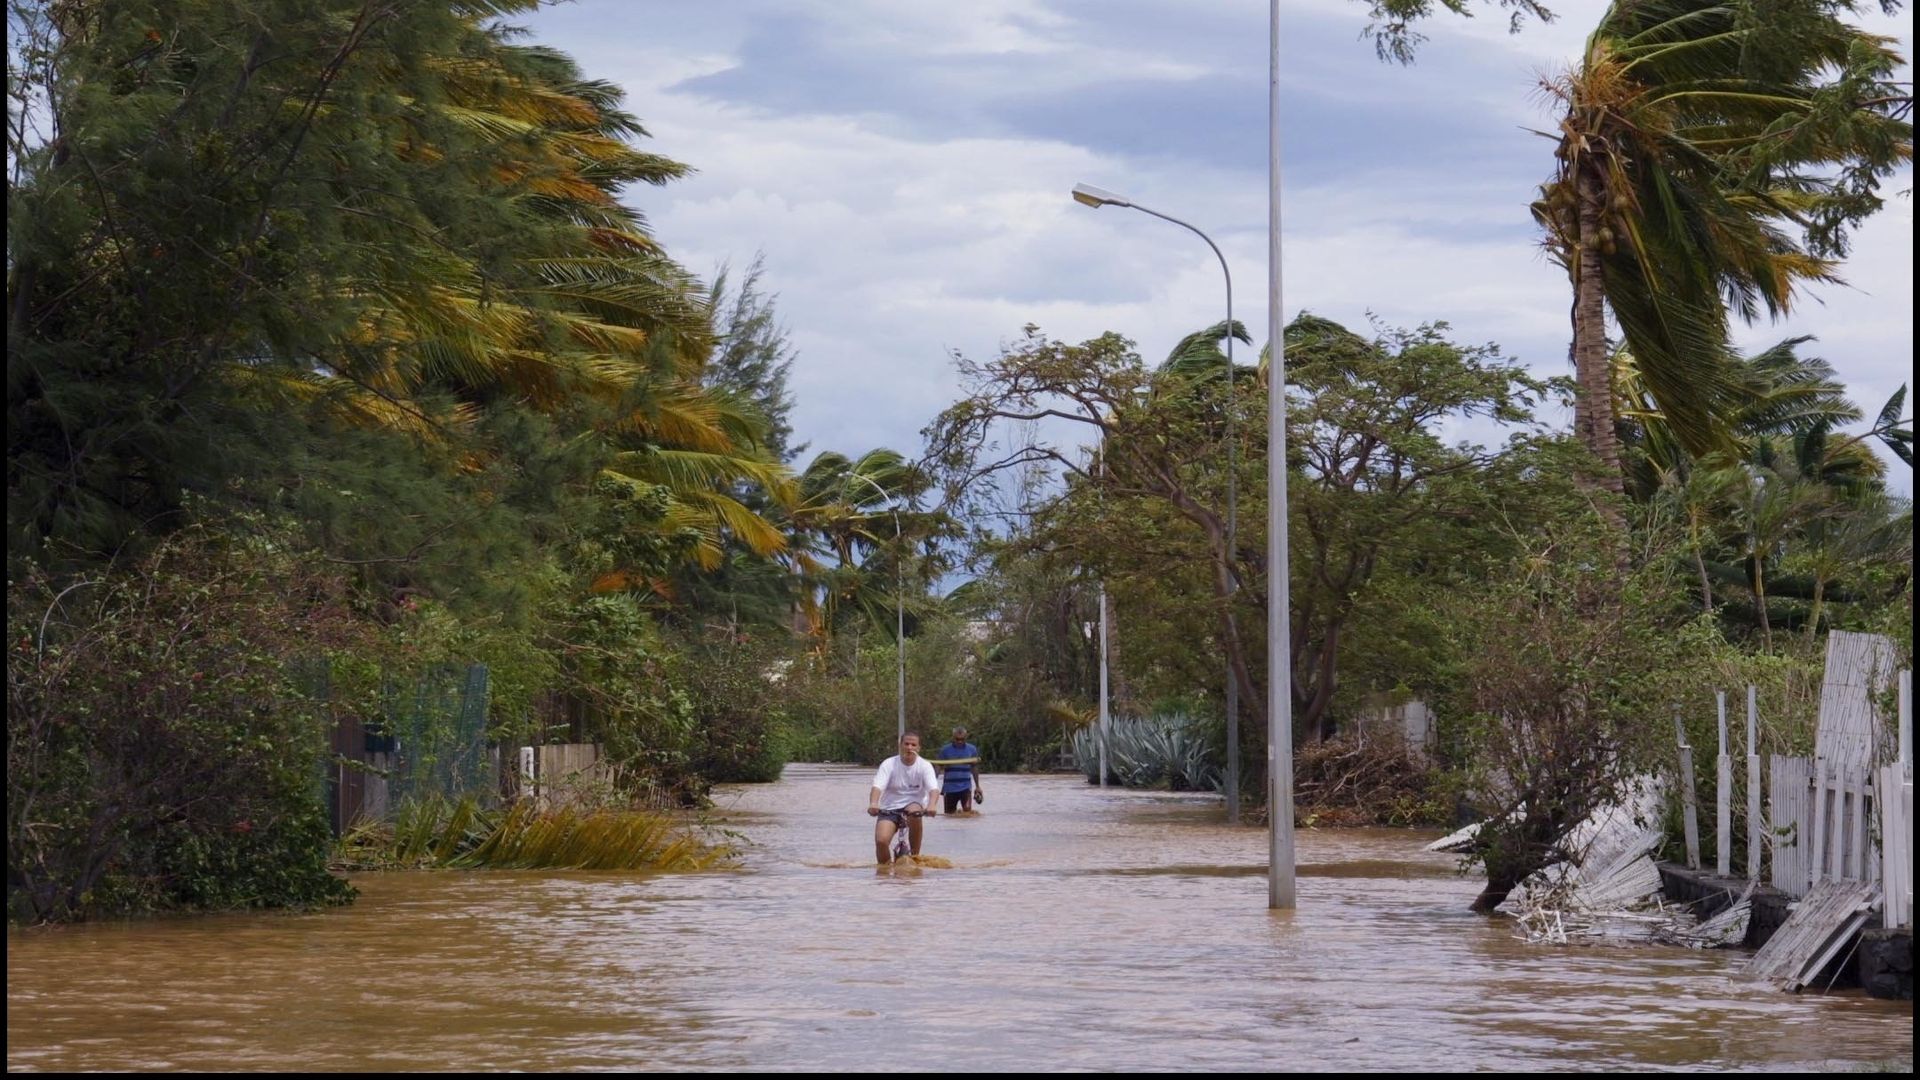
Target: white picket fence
x: 1845, y: 821
x: 1827, y: 813
x: 1896, y: 834
x: 1895, y: 782
x: 1851, y: 730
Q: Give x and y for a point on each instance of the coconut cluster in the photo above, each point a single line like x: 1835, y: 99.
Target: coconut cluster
x: 1557, y: 209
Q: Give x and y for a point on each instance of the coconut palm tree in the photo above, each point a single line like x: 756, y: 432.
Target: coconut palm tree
x: 855, y: 546
x: 1767, y: 506
x: 1712, y: 154
x: 1775, y: 396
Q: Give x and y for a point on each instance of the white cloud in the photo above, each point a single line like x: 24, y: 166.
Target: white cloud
x: 891, y: 244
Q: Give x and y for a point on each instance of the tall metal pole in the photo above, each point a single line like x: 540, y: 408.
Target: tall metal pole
x: 900, y: 618
x: 1106, y: 713
x: 1233, y: 581
x: 1280, y: 892
x: 899, y: 603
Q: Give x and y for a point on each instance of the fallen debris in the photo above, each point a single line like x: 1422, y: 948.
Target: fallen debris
x: 1609, y: 890
x: 1822, y: 923
x: 1462, y: 839
x: 1725, y: 930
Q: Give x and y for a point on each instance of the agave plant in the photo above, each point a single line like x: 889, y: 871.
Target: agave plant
x: 1169, y: 749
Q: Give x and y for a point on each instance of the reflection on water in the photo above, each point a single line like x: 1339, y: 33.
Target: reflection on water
x: 1076, y: 928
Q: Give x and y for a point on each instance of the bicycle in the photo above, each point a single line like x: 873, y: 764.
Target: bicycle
x: 902, y: 844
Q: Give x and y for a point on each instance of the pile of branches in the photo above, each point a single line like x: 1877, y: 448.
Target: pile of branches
x: 1348, y: 782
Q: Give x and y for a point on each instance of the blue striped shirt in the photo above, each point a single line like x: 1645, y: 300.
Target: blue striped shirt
x: 959, y: 777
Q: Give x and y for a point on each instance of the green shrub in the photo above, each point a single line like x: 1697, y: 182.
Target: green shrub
x: 1567, y: 672
x: 738, y: 710
x: 160, y: 752
x: 845, y: 707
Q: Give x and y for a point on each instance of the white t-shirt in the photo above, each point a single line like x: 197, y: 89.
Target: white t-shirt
x: 902, y: 785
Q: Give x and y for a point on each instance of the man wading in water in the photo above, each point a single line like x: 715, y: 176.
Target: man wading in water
x: 960, y: 776
x: 902, y: 790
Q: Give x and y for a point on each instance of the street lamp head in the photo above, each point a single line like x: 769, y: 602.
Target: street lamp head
x: 1088, y: 195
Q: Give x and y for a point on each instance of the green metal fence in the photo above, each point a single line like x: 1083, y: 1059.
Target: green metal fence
x: 428, y: 738
x: 437, y: 726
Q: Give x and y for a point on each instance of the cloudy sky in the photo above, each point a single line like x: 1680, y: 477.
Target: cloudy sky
x: 904, y: 167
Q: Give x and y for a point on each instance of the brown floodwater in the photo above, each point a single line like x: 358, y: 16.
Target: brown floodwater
x: 1075, y: 929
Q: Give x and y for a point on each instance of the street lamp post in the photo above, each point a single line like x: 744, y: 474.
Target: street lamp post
x: 1087, y: 195
x: 1280, y: 892
x: 1106, y: 712
x: 899, y: 602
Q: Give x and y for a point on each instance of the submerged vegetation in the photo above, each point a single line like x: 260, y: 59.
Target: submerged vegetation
x: 464, y: 834
x: 340, y: 356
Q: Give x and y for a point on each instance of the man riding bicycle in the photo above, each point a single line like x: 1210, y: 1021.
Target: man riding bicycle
x: 903, y: 790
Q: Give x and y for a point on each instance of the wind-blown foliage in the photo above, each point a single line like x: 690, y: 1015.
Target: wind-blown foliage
x: 440, y: 235
x: 364, y: 283
x: 1791, y: 515
x: 1713, y: 156
x: 753, y: 356
x: 860, y: 515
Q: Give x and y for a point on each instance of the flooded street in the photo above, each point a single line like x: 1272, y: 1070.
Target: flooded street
x: 1076, y: 929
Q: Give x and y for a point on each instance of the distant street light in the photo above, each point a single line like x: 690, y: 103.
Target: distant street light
x: 1106, y: 711
x: 899, y: 600
x: 1088, y: 195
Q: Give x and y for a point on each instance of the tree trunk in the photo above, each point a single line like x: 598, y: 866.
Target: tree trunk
x: 1593, y: 407
x: 1252, y: 703
x: 1706, y: 583
x: 1312, y: 714
x: 1121, y: 702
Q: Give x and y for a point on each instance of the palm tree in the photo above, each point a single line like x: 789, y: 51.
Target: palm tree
x: 857, y: 542
x: 571, y: 298
x: 590, y: 311
x: 448, y: 240
x: 1769, y: 503
x: 1698, y: 497
x: 1777, y: 397
x: 1693, y: 152
x: 1787, y: 494
x: 1200, y: 355
x: 843, y: 513
x: 1856, y: 539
